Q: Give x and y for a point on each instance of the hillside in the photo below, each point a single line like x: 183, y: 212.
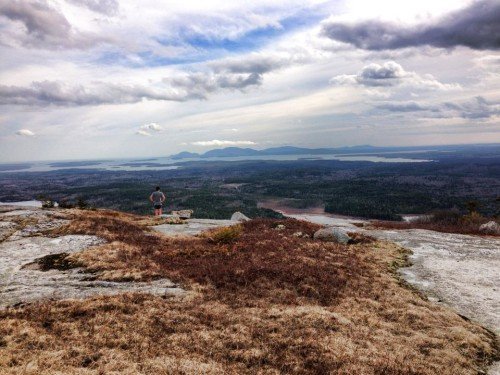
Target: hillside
x: 259, y: 297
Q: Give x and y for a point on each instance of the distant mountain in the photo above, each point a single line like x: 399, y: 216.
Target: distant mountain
x: 285, y: 150
x: 185, y: 155
x: 230, y: 152
x: 292, y: 150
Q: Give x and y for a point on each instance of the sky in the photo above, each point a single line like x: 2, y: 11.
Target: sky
x: 92, y: 79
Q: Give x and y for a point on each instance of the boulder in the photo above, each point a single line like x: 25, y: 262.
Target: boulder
x: 238, y: 216
x: 332, y: 234
x: 183, y: 214
x: 491, y: 227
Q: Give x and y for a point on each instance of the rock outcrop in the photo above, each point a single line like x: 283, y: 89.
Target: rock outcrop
x: 26, y: 249
x: 491, y: 227
x: 332, y: 234
x: 183, y: 214
x: 238, y: 216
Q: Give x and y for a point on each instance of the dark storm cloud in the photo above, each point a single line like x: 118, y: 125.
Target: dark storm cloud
x: 45, y: 26
x: 107, y: 7
x: 476, y: 26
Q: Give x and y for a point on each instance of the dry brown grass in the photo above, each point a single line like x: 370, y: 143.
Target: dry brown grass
x: 265, y: 302
x: 444, y: 221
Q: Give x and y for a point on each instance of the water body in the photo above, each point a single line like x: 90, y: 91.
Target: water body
x: 165, y: 163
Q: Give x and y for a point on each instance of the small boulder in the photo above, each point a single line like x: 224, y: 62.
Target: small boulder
x: 238, y: 216
x: 491, y: 227
x: 280, y: 227
x: 183, y: 214
x: 332, y: 234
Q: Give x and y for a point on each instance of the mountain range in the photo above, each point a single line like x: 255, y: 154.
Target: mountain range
x: 285, y: 150
x: 291, y: 150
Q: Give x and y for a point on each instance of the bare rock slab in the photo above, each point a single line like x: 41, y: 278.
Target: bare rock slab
x: 192, y: 227
x: 238, y: 216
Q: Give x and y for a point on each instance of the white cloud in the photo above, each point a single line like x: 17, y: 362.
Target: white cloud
x: 151, y: 127
x: 217, y: 142
x: 391, y: 74
x: 143, y: 132
x: 25, y: 133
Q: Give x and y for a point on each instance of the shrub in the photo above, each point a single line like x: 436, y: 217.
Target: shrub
x: 48, y: 203
x: 452, y: 216
x: 448, y: 221
x: 226, y: 235
x: 64, y: 203
x: 82, y: 204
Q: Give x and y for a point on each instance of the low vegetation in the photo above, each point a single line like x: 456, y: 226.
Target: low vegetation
x: 447, y: 221
x: 259, y: 300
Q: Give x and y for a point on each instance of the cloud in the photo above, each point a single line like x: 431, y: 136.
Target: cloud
x: 403, y: 107
x: 199, y: 85
x: 476, y: 26
x: 217, y: 142
x: 477, y: 109
x: 146, y: 129
x: 43, y: 26
x: 179, y: 88
x: 390, y: 73
x: 143, y: 132
x: 56, y: 93
x: 231, y: 74
x: 107, y: 7
x: 387, y: 74
x: 489, y: 62
x: 151, y: 127
x: 25, y: 133
x: 226, y: 75
x: 254, y: 63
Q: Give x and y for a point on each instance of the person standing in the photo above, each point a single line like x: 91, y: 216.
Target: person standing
x: 157, y: 197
